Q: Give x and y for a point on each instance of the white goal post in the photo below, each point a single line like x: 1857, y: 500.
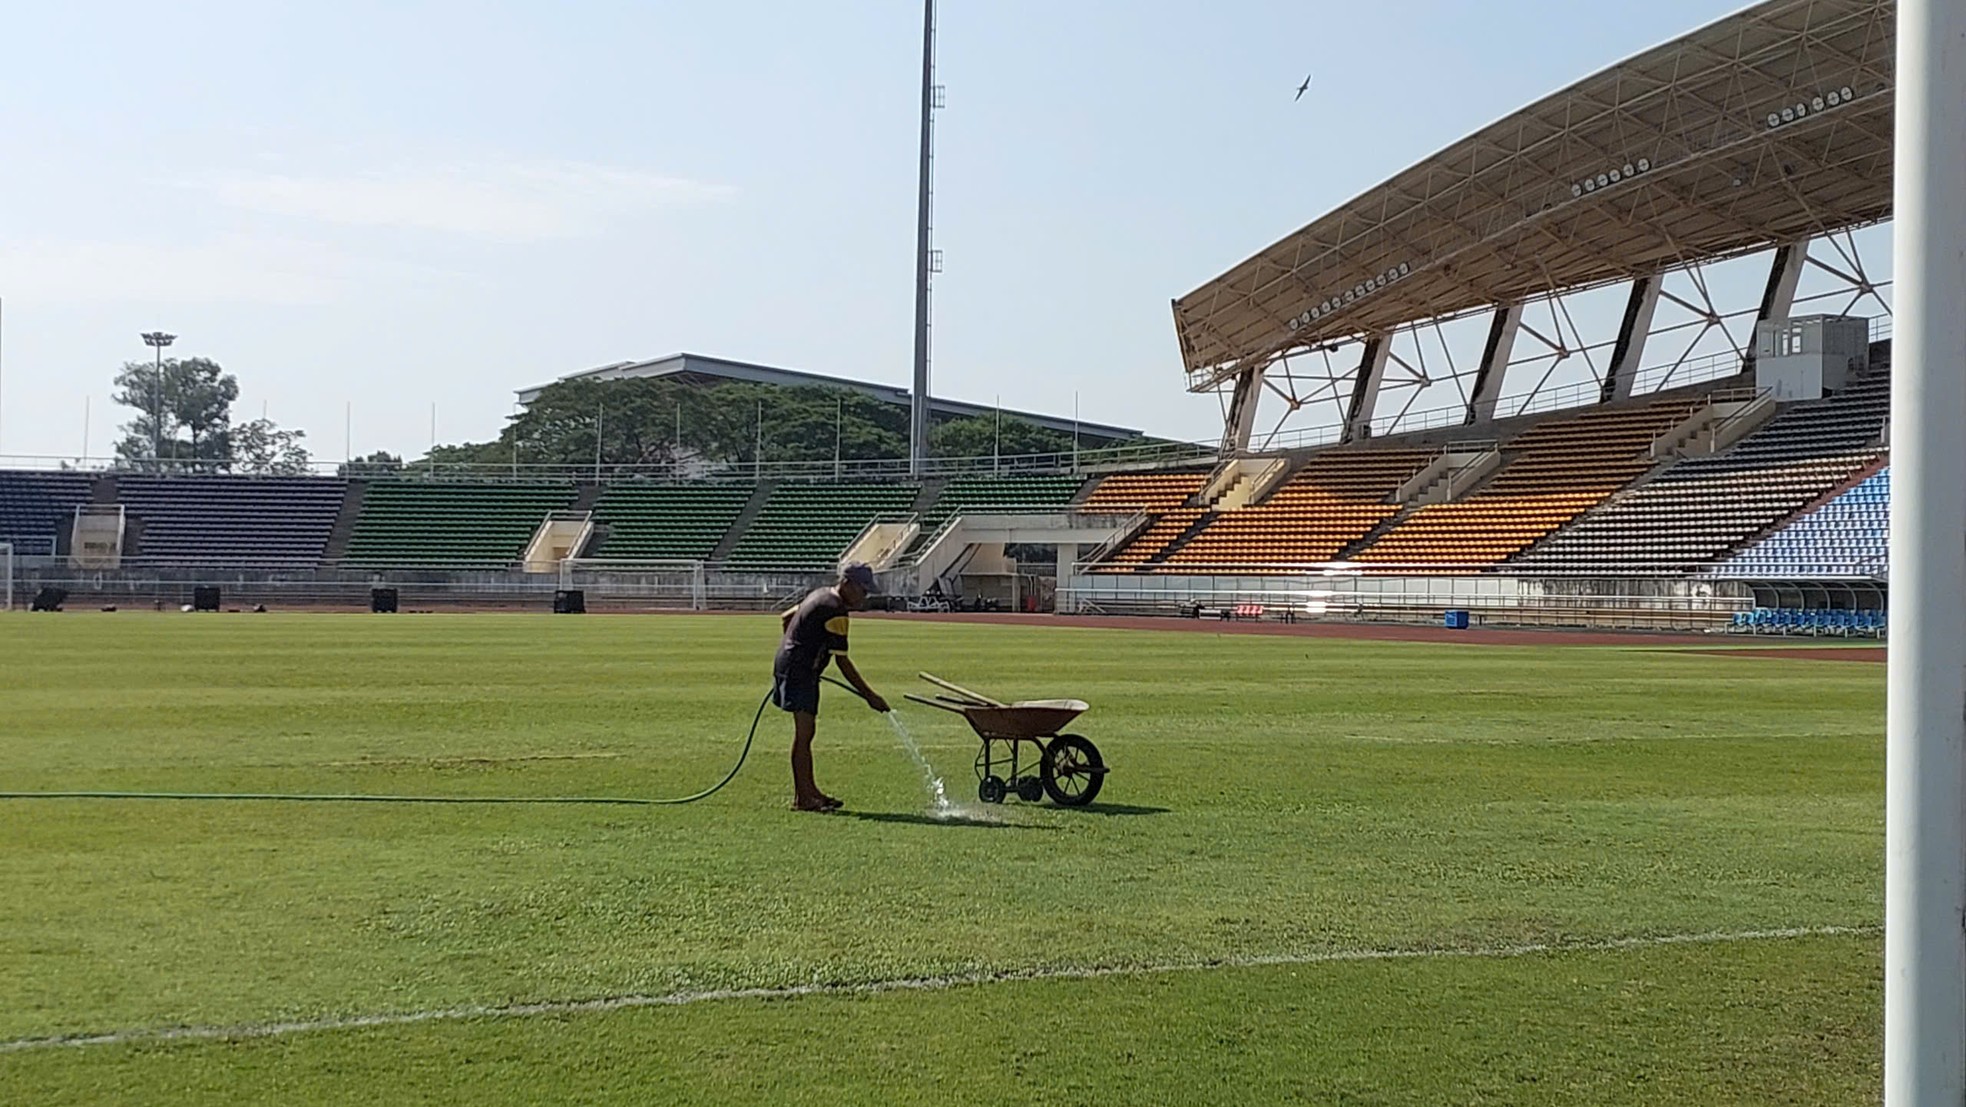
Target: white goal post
x: 645, y: 582
x: 7, y: 575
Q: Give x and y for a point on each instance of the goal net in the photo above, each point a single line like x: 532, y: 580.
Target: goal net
x: 647, y: 584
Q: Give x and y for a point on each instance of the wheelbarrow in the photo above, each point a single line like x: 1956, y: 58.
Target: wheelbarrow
x: 1068, y: 767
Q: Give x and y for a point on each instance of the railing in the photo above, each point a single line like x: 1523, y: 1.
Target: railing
x: 1423, y: 595
x: 1657, y: 378
x: 1064, y: 462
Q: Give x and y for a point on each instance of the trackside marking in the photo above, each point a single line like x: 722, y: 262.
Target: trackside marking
x: 248, y: 1031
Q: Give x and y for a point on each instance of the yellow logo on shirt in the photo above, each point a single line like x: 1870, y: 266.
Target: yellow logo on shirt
x: 836, y: 625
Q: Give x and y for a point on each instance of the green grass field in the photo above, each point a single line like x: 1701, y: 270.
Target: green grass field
x: 1281, y: 814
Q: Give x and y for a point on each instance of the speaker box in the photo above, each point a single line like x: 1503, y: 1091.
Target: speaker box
x: 48, y: 599
x: 571, y: 601
x: 382, y: 601
x: 205, y: 597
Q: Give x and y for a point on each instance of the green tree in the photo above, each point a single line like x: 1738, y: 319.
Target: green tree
x: 379, y: 464
x: 260, y: 448
x: 658, y: 421
x: 980, y: 436
x: 184, y: 413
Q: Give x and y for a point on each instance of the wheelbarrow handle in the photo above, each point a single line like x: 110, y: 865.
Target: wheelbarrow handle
x: 980, y: 699
x: 927, y: 702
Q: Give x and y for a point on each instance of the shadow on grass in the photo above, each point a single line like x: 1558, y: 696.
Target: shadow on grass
x: 931, y: 820
x: 1116, y: 809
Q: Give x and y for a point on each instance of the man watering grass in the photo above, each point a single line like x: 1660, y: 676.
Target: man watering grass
x: 815, y: 633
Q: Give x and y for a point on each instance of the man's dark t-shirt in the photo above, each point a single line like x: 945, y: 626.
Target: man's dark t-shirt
x: 816, y: 632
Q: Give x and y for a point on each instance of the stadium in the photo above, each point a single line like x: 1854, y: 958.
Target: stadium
x: 1491, y: 712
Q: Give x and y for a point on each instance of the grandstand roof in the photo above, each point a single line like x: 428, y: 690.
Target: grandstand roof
x: 699, y: 369
x: 1771, y: 124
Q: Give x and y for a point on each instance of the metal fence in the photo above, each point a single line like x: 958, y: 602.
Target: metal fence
x: 1146, y: 455
x: 1418, y: 594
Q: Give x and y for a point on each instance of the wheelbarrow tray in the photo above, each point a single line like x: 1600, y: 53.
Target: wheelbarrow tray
x: 1030, y: 719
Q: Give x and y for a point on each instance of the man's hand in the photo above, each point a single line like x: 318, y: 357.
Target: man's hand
x: 875, y: 701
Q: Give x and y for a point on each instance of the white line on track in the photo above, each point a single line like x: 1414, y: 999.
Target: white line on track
x: 159, y: 1035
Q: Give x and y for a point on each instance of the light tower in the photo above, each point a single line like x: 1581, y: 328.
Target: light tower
x: 157, y: 340
x: 927, y: 260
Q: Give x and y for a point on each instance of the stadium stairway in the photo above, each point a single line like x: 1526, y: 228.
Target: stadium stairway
x: 808, y: 526
x: 1430, y: 493
x: 1180, y: 541
x: 931, y: 492
x: 344, y: 524
x: 666, y: 520
x: 1163, y: 497
x: 745, y: 517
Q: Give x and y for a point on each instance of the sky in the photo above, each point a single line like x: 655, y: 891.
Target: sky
x: 369, y: 212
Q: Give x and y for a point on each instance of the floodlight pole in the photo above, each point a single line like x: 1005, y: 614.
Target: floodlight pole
x: 1925, y: 753
x: 157, y: 340
x: 918, y: 396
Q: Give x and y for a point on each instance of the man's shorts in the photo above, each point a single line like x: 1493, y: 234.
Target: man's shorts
x: 794, y: 690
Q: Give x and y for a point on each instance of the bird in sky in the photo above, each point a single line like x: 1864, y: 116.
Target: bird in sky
x: 1302, y: 89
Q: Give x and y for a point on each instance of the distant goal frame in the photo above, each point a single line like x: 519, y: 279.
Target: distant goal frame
x: 651, y: 584
x: 6, y: 576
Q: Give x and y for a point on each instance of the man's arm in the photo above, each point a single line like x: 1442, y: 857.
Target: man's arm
x: 853, y: 677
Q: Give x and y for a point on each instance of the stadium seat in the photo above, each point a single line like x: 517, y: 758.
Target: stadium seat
x: 686, y: 521
x: 1699, y: 509
x: 808, y: 526
x: 1337, y: 498
x: 1847, y: 537
x: 1556, y: 470
x: 451, y: 524
x: 36, y: 508
x: 219, y: 520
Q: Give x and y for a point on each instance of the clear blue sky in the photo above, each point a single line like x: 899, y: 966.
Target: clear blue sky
x: 397, y: 204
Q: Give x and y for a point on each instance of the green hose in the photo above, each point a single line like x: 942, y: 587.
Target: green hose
x: 296, y: 797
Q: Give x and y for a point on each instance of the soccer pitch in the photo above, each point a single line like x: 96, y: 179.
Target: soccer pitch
x: 1321, y: 870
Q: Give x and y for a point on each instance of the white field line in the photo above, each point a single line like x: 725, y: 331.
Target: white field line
x: 247, y: 1031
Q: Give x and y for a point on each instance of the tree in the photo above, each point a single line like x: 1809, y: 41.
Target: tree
x: 979, y: 436
x: 378, y: 464
x: 662, y: 421
x: 184, y: 412
x: 260, y: 448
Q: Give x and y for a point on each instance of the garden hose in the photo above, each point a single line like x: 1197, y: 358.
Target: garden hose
x: 297, y: 797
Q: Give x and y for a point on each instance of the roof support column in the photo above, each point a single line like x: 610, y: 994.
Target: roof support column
x: 1778, y: 298
x: 1784, y: 274
x: 1365, y: 387
x: 1632, y: 333
x: 1494, y: 363
x: 1242, y: 411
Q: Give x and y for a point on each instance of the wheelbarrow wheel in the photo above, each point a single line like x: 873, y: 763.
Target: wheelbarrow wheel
x: 1072, y: 771
x: 1030, y: 789
x: 990, y: 789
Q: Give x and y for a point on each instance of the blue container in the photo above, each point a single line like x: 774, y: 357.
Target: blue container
x: 1457, y: 620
